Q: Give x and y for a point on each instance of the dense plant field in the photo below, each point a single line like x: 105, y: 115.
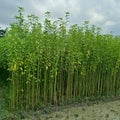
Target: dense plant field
x: 52, y: 63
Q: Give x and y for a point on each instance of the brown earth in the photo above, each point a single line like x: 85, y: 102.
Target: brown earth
x: 109, y: 110
x: 100, y: 111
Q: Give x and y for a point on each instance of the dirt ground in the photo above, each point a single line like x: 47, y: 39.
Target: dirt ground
x: 101, y: 111
x: 109, y: 110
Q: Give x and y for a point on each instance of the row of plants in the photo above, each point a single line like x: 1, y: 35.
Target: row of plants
x: 53, y: 63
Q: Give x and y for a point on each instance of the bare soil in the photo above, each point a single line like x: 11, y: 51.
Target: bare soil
x: 107, y: 110
x: 101, y: 111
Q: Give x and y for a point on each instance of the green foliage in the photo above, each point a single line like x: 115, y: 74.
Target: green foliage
x: 50, y: 64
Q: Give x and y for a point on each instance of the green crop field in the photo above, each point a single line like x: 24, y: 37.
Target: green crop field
x: 53, y: 64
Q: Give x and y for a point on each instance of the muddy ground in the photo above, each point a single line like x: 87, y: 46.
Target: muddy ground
x: 102, y: 110
x: 99, y: 111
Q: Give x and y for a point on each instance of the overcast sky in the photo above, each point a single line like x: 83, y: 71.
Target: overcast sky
x: 102, y: 13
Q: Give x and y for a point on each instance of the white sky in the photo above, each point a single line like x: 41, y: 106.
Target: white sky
x: 102, y: 13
